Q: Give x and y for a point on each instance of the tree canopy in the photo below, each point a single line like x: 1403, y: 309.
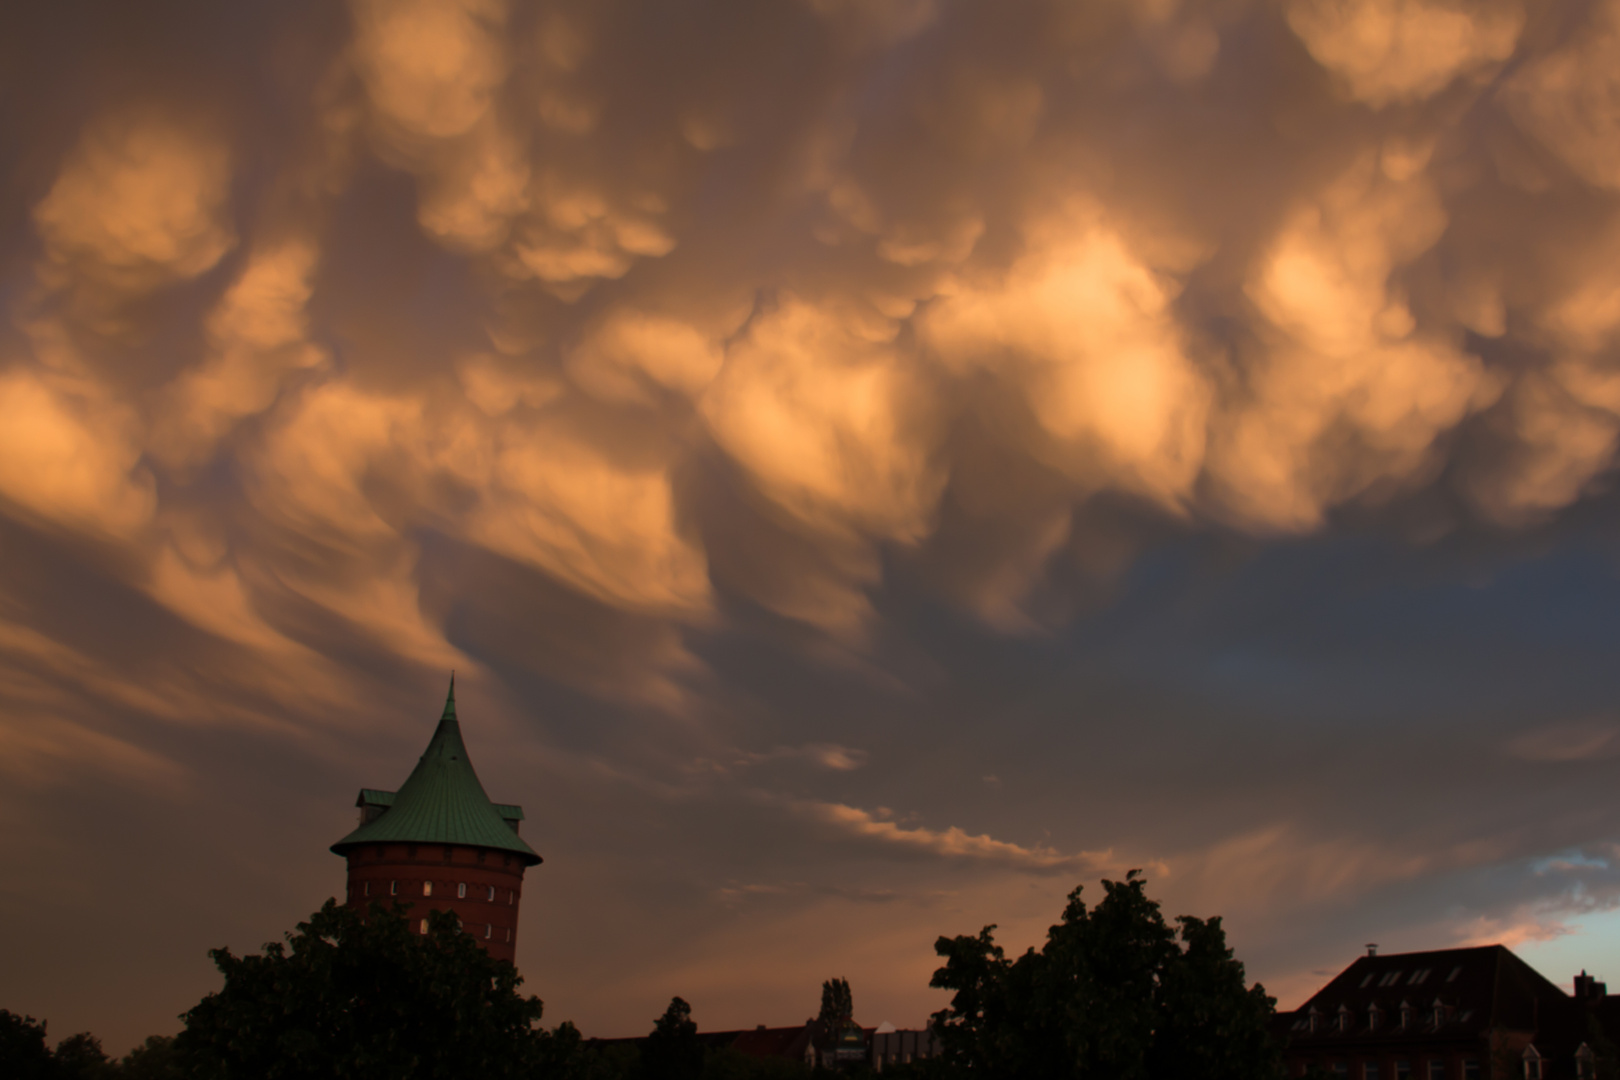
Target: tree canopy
x: 673, y: 1050
x: 1115, y: 993
x: 361, y: 996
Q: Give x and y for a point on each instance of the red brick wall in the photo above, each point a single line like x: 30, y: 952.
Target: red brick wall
x: 388, y: 872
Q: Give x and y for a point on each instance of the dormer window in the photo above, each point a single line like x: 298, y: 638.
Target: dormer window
x: 1408, y: 1014
x: 1585, y: 1063
x: 1375, y: 1017
x: 1344, y: 1018
x: 1313, y: 1018
x: 1532, y: 1063
x: 1440, y: 1012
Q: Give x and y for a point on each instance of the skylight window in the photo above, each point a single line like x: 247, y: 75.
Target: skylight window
x: 1456, y: 971
x: 1391, y: 979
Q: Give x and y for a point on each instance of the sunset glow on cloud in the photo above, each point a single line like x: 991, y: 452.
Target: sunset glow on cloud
x: 872, y: 465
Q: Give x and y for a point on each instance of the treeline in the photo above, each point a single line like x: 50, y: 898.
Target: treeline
x: 1115, y: 993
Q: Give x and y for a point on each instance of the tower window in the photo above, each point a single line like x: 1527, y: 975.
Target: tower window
x: 367, y: 889
x: 427, y: 888
x: 424, y: 926
x: 511, y: 896
x: 491, y: 896
x: 509, y: 935
x: 489, y: 930
x: 393, y: 888
x: 461, y: 891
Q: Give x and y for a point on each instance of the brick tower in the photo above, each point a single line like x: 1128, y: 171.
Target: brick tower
x: 439, y: 843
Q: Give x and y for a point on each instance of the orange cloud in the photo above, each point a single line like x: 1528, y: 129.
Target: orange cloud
x: 138, y: 203
x: 1387, y: 51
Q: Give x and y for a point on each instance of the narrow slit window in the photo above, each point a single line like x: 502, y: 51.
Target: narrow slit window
x: 393, y: 888
x: 489, y: 931
x: 423, y: 929
x: 367, y: 889
x: 491, y: 895
x: 509, y: 935
x: 461, y: 890
x: 427, y: 888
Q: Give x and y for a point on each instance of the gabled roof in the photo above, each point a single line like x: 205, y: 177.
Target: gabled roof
x: 441, y: 802
x: 1481, y: 988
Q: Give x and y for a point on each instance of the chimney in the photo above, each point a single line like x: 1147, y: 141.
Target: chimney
x: 1588, y: 987
x: 1372, y: 948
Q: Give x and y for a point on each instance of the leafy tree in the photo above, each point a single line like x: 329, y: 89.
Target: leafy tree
x: 1114, y: 993
x: 673, y: 1050
x: 80, y: 1057
x: 24, y: 1053
x: 358, y: 997
x: 837, y: 1004
x: 837, y: 1011
x: 155, y: 1059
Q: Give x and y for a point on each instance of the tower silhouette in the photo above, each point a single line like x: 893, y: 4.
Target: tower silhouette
x: 440, y: 843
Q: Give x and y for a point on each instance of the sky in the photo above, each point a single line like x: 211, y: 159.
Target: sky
x: 871, y: 465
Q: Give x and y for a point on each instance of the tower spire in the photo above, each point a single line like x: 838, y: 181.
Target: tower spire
x: 450, y: 701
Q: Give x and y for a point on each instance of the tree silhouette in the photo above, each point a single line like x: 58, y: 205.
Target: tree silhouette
x: 1113, y: 993
x: 362, y: 996
x: 673, y: 1051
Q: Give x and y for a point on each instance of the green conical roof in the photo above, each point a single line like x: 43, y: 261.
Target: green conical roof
x: 442, y: 802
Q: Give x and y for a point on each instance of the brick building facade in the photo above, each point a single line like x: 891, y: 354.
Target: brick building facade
x: 1450, y: 1014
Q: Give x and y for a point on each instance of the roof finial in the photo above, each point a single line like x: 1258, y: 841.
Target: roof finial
x: 450, y: 701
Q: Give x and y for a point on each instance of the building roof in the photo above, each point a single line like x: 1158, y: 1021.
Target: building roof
x: 1476, y: 989
x: 441, y: 802
x: 385, y: 799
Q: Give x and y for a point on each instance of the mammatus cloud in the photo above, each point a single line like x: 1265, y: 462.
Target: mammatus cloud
x: 618, y: 337
x: 634, y: 365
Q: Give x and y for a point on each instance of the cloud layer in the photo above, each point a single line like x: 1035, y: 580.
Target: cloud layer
x: 782, y: 412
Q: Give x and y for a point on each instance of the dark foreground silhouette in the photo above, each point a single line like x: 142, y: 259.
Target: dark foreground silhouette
x: 1115, y: 993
